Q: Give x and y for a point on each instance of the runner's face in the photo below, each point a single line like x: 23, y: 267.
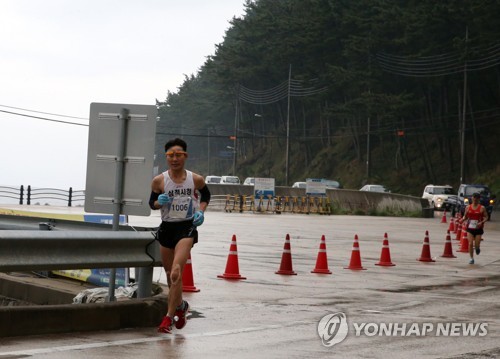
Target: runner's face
x: 176, y: 157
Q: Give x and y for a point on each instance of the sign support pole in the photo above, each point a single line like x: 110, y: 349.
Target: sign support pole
x: 120, y: 167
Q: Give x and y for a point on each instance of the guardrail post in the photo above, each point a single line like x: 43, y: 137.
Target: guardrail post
x: 70, y: 195
x: 145, y: 278
x: 21, y: 194
x: 28, y: 198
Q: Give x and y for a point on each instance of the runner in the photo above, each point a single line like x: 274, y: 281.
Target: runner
x: 175, y: 192
x: 476, y: 216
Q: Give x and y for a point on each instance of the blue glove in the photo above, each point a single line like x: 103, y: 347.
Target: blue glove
x: 198, y: 218
x: 164, y: 199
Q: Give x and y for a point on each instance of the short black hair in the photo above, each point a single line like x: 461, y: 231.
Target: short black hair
x: 476, y: 194
x: 176, y: 142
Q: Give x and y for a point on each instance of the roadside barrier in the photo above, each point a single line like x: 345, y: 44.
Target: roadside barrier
x: 278, y: 204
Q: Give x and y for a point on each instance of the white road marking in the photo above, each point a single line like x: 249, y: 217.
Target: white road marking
x: 160, y: 337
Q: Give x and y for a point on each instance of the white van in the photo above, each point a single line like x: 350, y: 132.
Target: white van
x: 213, y: 179
x: 249, y: 181
x: 230, y: 180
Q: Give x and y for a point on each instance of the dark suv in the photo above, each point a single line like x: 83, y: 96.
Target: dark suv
x: 465, y: 192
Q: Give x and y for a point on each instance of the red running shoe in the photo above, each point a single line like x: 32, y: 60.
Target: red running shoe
x: 166, y: 325
x: 180, y: 315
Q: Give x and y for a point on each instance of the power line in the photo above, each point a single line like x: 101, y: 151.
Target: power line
x: 44, y: 113
x: 45, y: 118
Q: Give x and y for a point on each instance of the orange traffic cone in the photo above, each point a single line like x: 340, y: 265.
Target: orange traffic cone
x: 286, y: 259
x: 464, y: 242
x: 451, y: 227
x: 232, y: 267
x: 426, y: 250
x: 385, y: 255
x: 457, y: 220
x: 322, y: 261
x: 458, y: 231
x: 443, y: 219
x: 355, y: 263
x: 448, y: 251
x: 187, y: 277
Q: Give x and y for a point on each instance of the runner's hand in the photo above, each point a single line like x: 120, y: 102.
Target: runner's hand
x: 164, y: 199
x: 198, y: 218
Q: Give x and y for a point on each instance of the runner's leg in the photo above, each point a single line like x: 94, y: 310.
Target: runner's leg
x: 181, y: 254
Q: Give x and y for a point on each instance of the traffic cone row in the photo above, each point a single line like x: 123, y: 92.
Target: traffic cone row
x: 286, y: 267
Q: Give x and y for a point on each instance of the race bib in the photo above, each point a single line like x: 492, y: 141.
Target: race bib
x: 181, y: 208
x: 473, y: 223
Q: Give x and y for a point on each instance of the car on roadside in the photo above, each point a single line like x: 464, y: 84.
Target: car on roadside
x: 437, y: 195
x: 249, y: 181
x: 465, y: 192
x: 213, y: 179
x: 230, y: 180
x: 299, y: 185
x: 374, y: 188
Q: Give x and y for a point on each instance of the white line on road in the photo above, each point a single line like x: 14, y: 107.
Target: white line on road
x: 161, y: 337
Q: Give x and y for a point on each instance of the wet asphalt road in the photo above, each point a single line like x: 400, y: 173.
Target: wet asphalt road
x: 275, y: 316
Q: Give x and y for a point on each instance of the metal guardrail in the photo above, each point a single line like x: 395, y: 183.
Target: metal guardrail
x: 29, y: 194
x: 49, y: 250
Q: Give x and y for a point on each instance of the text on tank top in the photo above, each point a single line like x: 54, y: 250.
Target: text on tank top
x: 475, y: 216
x: 184, y: 199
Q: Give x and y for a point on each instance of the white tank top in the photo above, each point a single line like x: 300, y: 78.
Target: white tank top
x: 184, y: 199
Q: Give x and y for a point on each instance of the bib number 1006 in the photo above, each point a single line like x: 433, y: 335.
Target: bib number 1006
x: 180, y: 207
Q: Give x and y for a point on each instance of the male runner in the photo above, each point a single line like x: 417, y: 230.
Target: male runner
x: 175, y: 192
x: 476, y: 215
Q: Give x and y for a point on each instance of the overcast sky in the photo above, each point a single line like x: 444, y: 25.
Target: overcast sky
x: 58, y: 56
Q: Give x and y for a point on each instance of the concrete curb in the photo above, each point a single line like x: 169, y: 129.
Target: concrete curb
x: 51, y: 319
x: 64, y: 318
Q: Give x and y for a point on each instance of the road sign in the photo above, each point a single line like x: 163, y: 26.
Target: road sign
x: 315, y: 187
x: 120, y: 141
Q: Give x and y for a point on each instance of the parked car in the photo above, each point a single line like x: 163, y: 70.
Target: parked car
x: 465, y: 192
x: 374, y: 188
x: 249, y: 181
x: 213, y: 179
x: 437, y: 195
x: 331, y: 184
x: 299, y: 185
x: 230, y: 180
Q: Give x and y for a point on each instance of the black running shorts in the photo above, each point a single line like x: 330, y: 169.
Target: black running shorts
x: 475, y: 231
x: 170, y: 233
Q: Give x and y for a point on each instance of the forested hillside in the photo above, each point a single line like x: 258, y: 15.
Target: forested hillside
x: 354, y: 90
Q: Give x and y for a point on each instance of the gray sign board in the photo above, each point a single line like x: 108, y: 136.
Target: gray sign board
x: 105, y: 141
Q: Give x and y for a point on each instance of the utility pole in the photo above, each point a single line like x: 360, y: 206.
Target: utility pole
x: 287, y: 157
x: 464, y: 109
